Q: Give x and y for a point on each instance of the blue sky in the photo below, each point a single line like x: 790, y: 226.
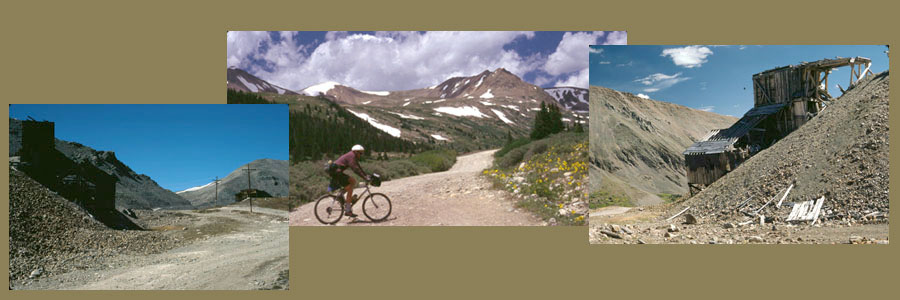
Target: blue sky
x: 178, y: 145
x: 713, y: 78
x: 401, y: 60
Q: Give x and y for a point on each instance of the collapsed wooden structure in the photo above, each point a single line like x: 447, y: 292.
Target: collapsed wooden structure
x: 784, y: 99
x: 82, y: 183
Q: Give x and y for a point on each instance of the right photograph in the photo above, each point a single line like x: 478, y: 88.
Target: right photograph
x: 739, y: 144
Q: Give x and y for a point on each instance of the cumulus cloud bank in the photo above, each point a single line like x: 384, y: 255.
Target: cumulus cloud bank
x: 406, y: 60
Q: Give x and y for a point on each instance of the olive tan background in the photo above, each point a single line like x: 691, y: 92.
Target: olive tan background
x: 173, y: 52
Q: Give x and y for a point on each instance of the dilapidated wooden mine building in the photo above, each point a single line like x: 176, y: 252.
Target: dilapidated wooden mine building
x: 33, y: 143
x: 784, y: 99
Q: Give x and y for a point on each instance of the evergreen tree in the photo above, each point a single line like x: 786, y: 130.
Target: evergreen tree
x: 578, y: 127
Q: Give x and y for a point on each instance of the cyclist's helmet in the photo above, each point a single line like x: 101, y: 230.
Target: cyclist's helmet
x: 358, y: 148
x: 376, y: 180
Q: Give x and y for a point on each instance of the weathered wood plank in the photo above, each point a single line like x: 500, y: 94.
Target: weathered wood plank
x: 678, y: 214
x: 785, y: 196
x: 816, y: 210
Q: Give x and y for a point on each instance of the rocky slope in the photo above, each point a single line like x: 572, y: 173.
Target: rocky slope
x: 841, y: 154
x: 240, y: 80
x: 270, y: 175
x: 572, y: 98
x: 133, y: 190
x: 50, y: 235
x: 636, y: 144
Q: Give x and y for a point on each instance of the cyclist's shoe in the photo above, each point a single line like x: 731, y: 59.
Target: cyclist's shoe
x: 348, y: 210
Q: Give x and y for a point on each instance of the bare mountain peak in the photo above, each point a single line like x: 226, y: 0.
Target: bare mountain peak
x: 241, y: 80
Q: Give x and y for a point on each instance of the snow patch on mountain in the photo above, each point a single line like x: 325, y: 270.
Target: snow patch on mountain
x: 502, y: 116
x: 513, y: 107
x: 463, y: 111
x: 250, y: 86
x: 487, y: 95
x: 383, y: 127
x: 438, y: 137
x: 196, y: 188
x: 319, y: 88
x: 377, y: 93
x: 407, y: 116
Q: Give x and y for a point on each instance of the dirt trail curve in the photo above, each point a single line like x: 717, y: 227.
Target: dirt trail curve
x: 250, y: 255
x: 457, y: 197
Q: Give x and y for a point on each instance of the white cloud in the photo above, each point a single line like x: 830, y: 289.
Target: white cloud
x: 659, y: 81
x: 629, y: 64
x: 643, y: 96
x: 572, y: 53
x: 406, y: 60
x: 579, y: 79
x: 241, y: 45
x: 542, y: 80
x: 616, y: 38
x: 571, y: 60
x: 706, y: 108
x: 689, y: 56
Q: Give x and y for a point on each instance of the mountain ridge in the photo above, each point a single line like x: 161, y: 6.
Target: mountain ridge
x: 268, y: 175
x: 636, y: 143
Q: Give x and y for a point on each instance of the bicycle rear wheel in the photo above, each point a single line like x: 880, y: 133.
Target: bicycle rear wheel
x: 329, y: 209
x: 377, y: 207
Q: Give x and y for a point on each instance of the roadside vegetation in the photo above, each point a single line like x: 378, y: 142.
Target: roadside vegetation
x: 309, y: 181
x: 549, y: 176
x: 600, y: 199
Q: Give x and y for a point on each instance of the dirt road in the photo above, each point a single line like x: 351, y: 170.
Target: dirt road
x: 456, y: 197
x: 227, y: 248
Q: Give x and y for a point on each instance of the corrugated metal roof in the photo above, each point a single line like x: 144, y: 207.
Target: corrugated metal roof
x: 724, y: 139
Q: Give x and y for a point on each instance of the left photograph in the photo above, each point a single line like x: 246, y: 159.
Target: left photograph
x: 148, y: 197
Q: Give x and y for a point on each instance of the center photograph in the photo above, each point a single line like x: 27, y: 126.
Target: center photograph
x: 437, y: 128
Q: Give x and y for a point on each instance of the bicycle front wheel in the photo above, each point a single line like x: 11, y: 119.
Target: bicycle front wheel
x: 329, y: 209
x: 377, y: 207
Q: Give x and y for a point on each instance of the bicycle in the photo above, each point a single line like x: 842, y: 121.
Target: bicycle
x: 329, y: 208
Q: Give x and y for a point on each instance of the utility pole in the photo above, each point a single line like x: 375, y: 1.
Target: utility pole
x: 249, y: 188
x: 217, y: 190
x: 248, y: 169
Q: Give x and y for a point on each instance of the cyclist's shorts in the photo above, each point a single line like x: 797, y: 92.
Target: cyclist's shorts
x: 339, y: 181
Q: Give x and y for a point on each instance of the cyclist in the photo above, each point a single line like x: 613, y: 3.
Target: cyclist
x: 339, y: 179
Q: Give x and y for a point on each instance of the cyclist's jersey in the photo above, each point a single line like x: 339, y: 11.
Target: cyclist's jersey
x: 349, y: 160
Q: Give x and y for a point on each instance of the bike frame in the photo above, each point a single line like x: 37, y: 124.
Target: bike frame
x: 366, y: 192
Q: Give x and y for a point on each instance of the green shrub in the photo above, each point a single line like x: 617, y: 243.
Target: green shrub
x: 603, y: 198
x: 511, y: 158
x: 670, y: 198
x: 435, y: 160
x: 512, y: 145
